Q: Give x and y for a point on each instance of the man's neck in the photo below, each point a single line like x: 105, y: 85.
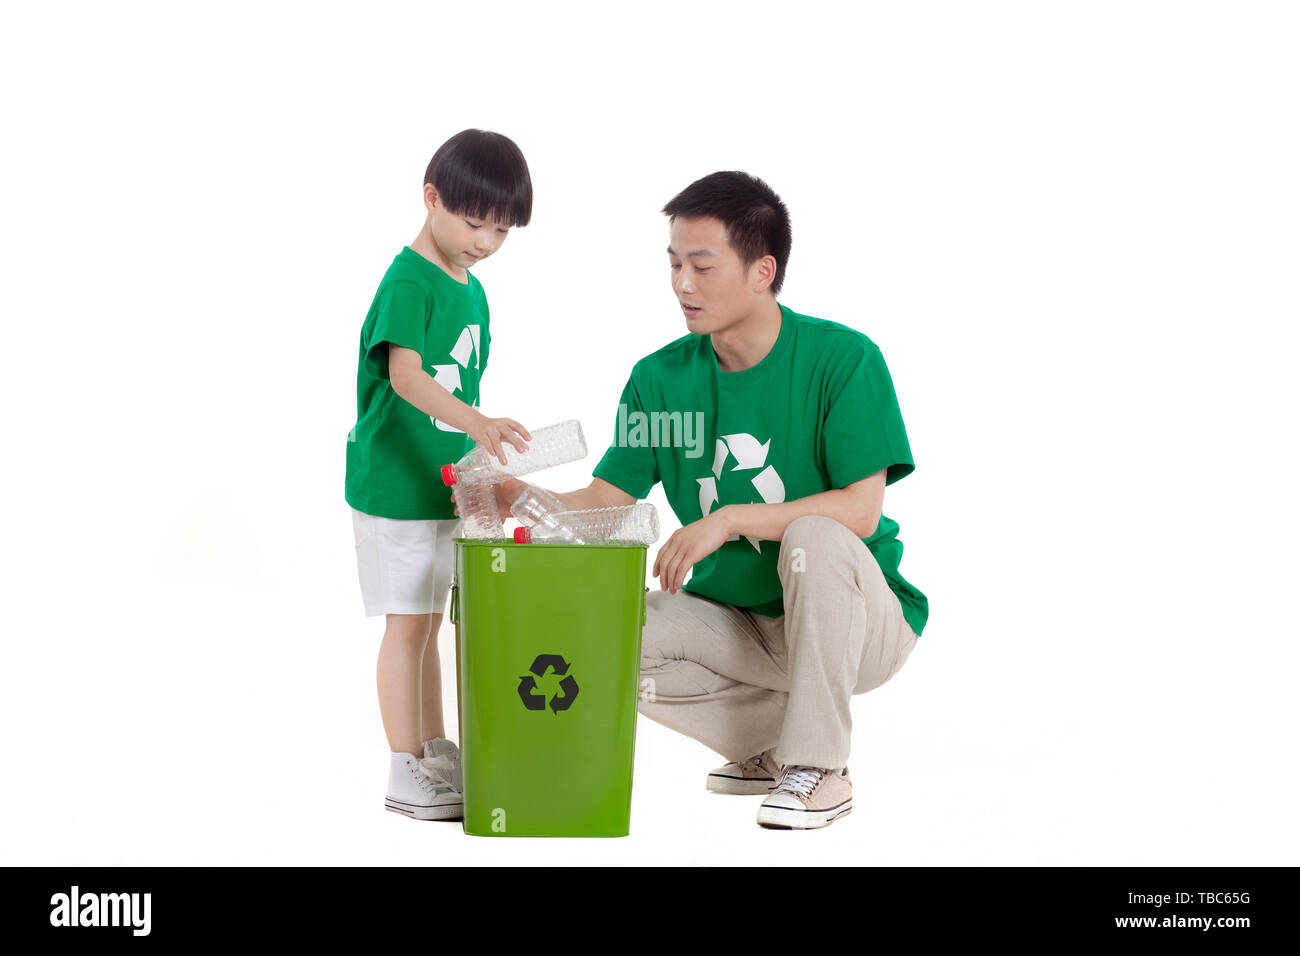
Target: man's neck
x: 747, y: 342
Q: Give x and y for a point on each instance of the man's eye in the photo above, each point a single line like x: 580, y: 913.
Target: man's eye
x: 675, y: 266
x: 705, y: 269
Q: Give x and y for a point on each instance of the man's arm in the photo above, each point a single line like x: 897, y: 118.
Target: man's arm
x: 599, y: 494
x: 856, y: 506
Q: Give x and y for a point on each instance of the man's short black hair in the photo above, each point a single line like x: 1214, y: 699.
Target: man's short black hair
x: 483, y: 175
x: 758, y: 224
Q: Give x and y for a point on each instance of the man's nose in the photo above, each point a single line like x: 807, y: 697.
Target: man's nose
x: 683, y: 283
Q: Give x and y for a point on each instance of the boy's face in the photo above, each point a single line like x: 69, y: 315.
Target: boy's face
x: 712, y: 285
x: 464, y: 241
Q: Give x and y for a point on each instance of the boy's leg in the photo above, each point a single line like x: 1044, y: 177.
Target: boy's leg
x: 846, y: 635
x: 709, y: 672
x: 444, y: 556
x: 398, y: 678
x: 431, y: 722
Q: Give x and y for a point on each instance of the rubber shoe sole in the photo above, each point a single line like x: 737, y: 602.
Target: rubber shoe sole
x: 721, y: 783
x: 783, y: 818
x: 445, y: 811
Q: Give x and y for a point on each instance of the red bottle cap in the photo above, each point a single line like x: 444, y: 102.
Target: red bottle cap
x: 523, y: 536
x: 449, y: 475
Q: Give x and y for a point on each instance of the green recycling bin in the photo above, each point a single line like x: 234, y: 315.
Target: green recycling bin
x: 548, y: 653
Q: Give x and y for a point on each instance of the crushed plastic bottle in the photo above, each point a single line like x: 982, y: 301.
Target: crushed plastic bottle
x: 632, y: 524
x: 536, y: 507
x: 552, y: 445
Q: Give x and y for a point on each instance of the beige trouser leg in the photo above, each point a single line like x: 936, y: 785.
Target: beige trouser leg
x: 741, y: 682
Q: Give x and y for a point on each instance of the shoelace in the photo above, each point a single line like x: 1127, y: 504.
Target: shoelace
x: 438, y: 773
x: 799, y: 781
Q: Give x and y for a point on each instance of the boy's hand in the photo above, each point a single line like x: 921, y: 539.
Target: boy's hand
x: 493, y: 432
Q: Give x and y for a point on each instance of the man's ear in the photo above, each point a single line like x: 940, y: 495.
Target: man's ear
x: 764, y: 273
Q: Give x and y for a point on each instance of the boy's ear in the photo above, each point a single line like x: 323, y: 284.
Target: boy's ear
x: 430, y: 196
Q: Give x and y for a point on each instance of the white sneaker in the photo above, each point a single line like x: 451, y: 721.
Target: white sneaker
x: 445, y: 756
x: 423, y: 788
x: 806, y: 798
x: 755, y: 775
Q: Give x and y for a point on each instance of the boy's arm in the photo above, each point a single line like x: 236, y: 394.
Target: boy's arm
x: 413, y: 384
x: 410, y: 381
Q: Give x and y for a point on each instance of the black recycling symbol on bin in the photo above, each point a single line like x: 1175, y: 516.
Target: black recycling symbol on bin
x: 528, y: 684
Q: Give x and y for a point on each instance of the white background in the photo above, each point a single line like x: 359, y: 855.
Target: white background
x: 1071, y: 229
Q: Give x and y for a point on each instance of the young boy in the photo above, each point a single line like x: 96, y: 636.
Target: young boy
x: 424, y: 347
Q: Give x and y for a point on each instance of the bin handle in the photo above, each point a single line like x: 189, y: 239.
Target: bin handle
x: 455, y: 615
x: 643, y: 600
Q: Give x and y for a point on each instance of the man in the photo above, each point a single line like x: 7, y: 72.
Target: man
x: 795, y: 602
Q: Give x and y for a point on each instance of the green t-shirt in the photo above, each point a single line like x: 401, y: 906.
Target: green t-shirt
x: 395, y: 450
x: 818, y: 412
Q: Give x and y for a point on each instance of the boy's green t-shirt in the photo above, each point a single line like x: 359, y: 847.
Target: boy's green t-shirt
x: 395, y: 450
x: 818, y: 412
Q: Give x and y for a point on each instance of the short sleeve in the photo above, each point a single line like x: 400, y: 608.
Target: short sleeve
x: 401, y: 318
x: 631, y: 468
x: 863, y: 431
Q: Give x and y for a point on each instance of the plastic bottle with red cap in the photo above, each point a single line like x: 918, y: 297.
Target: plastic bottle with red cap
x: 631, y: 524
x: 552, y: 445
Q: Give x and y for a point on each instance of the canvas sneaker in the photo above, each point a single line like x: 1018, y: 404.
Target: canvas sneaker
x: 445, y: 757
x: 424, y: 788
x: 806, y: 798
x: 755, y: 775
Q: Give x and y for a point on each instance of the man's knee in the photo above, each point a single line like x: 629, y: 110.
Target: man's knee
x: 811, y: 541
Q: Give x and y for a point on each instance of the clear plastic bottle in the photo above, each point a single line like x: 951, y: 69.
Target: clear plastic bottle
x: 635, y: 524
x: 479, y: 517
x: 536, y: 507
x: 552, y: 445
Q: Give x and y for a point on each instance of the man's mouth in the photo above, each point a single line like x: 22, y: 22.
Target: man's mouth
x: 690, y: 309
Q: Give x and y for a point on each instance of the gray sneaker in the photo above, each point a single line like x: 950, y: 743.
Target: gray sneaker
x: 755, y: 775
x: 806, y: 798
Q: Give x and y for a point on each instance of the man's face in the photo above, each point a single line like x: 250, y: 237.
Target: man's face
x: 713, y: 287
x: 465, y: 241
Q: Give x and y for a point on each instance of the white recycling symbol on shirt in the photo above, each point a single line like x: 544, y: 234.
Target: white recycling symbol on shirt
x: 749, y: 455
x: 448, y: 376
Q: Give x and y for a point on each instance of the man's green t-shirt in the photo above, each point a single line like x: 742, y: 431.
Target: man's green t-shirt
x: 395, y: 450
x: 818, y: 412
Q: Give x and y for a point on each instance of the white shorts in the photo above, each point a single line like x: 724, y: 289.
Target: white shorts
x: 405, y: 566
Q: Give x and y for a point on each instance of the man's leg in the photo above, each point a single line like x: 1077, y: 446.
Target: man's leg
x: 845, y: 632
x: 708, y: 671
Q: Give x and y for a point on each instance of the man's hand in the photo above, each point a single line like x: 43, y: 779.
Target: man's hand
x: 494, y: 432
x: 695, y: 542
x: 506, y: 492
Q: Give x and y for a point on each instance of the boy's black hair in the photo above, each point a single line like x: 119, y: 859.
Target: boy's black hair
x: 482, y: 175
x: 758, y: 224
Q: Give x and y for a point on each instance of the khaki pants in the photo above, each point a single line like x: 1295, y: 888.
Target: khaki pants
x: 741, y: 682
